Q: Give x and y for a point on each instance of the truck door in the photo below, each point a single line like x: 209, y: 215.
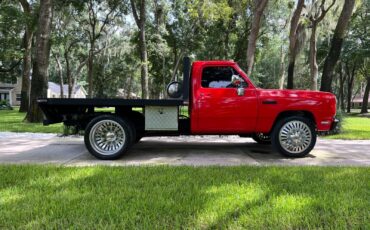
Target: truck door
x: 222, y: 108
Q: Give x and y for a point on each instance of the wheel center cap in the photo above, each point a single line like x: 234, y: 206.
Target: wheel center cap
x: 110, y: 136
x: 295, y: 138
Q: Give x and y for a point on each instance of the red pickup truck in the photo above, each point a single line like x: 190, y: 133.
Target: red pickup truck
x: 221, y: 100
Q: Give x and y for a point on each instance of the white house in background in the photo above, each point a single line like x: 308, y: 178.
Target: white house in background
x: 359, y: 97
x: 54, y: 91
x: 357, y: 102
x: 11, y: 92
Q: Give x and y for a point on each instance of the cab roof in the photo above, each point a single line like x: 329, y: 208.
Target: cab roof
x: 215, y: 62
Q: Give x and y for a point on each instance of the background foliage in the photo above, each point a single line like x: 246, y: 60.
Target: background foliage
x: 201, y: 29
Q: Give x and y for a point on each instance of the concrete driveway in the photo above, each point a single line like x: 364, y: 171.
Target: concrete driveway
x: 197, y: 150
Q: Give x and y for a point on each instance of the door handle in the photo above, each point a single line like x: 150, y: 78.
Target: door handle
x: 269, y: 102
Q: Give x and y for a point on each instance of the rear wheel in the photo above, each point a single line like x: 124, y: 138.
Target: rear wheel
x: 261, y: 138
x: 294, y: 136
x: 108, y: 137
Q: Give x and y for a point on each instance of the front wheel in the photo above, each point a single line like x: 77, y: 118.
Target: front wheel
x: 108, y: 137
x: 294, y: 136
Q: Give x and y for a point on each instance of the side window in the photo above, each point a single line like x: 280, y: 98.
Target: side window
x: 221, y: 77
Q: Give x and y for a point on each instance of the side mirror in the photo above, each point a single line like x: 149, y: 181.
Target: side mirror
x: 235, y: 80
x: 240, y: 91
x: 239, y: 82
x: 174, y: 89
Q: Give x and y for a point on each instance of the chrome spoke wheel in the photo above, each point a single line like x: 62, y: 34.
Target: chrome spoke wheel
x: 107, y: 137
x: 295, y: 137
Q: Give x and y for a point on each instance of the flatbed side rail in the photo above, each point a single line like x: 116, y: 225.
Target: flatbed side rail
x: 98, y: 102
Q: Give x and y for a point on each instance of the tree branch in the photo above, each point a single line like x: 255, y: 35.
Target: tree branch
x: 85, y: 61
x: 92, y: 19
x: 134, y: 12
x: 324, y: 11
x: 4, y: 70
x: 106, y: 20
x: 26, y: 6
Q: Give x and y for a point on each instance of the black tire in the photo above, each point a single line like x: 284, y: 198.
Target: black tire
x: 138, y: 122
x: 99, y: 127
x: 138, y: 139
x: 261, y: 138
x: 298, y: 141
x: 132, y: 130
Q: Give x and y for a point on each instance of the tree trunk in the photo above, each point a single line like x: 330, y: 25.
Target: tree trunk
x: 293, y: 40
x: 60, y: 73
x: 351, y: 78
x: 140, y: 22
x: 290, y: 83
x: 97, y: 22
x: 365, y: 100
x: 143, y: 52
x: 349, y: 94
x: 282, y: 68
x: 144, y: 64
x: 229, y: 30
x: 342, y: 79
x: 69, y: 75
x: 336, y: 45
x: 39, y: 83
x: 226, y: 45
x: 316, y: 17
x: 259, y: 7
x: 313, y: 63
x: 129, y: 86
x: 164, y: 81
x: 176, y: 68
x: 90, y: 69
x: 27, y: 60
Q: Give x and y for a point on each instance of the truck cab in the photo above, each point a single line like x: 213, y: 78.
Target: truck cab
x: 220, y: 100
x: 224, y: 100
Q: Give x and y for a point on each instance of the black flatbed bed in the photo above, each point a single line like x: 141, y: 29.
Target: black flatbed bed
x: 112, y: 102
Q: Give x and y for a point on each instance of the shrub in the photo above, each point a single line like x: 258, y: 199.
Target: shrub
x: 4, y: 105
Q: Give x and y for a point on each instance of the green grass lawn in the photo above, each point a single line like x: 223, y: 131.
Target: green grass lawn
x: 12, y: 121
x: 39, y: 197
x: 354, y: 128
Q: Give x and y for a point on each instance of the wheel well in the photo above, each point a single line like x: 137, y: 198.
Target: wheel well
x: 135, y: 117
x: 305, y: 114
x: 82, y: 120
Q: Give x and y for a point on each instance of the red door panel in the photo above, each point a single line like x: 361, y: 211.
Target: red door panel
x: 222, y: 111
